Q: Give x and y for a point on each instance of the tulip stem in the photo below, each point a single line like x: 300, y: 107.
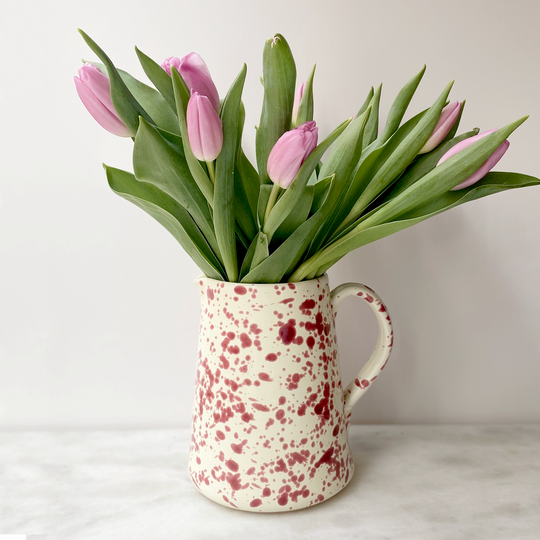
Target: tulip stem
x: 211, y: 171
x: 271, y: 201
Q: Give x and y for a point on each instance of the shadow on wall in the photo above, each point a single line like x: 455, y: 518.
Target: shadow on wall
x: 457, y: 323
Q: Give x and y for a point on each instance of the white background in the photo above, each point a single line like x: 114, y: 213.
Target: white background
x: 98, y: 314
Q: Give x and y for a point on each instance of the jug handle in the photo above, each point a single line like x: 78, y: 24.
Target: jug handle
x: 371, y: 369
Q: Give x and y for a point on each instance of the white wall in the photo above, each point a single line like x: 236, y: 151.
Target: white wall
x: 98, y: 315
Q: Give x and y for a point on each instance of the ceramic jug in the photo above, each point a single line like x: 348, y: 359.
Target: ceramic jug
x: 271, y: 417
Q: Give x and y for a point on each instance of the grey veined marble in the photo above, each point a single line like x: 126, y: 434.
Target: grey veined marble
x: 411, y: 482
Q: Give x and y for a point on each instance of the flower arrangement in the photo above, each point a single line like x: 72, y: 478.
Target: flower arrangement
x: 294, y: 216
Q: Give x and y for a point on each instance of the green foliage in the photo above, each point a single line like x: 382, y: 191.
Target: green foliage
x: 305, y: 109
x: 493, y: 182
x: 372, y: 182
x: 171, y: 215
x: 151, y: 100
x: 279, y: 79
x: 127, y: 107
x: 159, y: 78
x: 224, y: 187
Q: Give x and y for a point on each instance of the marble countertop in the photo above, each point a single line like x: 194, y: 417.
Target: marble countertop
x: 411, y: 482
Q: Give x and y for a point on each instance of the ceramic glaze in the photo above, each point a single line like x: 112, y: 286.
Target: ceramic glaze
x: 270, y: 417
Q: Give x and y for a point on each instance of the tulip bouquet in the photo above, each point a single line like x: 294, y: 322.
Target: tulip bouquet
x: 294, y: 216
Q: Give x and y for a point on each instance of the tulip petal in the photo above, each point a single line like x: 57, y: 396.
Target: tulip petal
x: 447, y: 119
x: 285, y: 160
x: 99, y: 84
x: 464, y: 144
x: 485, y: 168
x: 198, y: 79
x: 171, y: 61
x: 289, y: 152
x: 205, y: 131
x: 194, y: 130
x: 101, y: 114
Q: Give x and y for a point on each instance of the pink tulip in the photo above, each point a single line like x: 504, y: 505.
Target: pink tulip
x: 486, y: 167
x: 296, y: 104
x: 205, y: 131
x: 170, y: 62
x: 94, y: 90
x: 196, y: 76
x: 289, y: 152
x: 447, y: 119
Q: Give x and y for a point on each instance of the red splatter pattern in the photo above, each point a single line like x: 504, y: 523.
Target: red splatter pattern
x: 270, y: 417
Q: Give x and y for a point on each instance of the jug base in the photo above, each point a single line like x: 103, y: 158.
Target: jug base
x: 270, y: 506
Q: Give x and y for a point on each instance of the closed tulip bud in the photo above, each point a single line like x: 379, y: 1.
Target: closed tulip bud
x: 296, y: 104
x: 290, y: 151
x: 486, y: 167
x: 196, y: 76
x: 204, y: 128
x: 447, y: 119
x: 172, y: 61
x: 94, y: 90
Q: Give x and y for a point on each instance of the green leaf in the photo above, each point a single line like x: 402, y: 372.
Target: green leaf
x: 158, y: 159
x: 126, y: 106
x: 244, y: 215
x: 250, y: 180
x: 242, y: 211
x: 224, y: 220
x: 313, y: 179
x: 181, y: 96
x: 402, y: 156
x: 151, y: 100
x: 261, y: 250
x: 296, y: 218
x: 287, y: 202
x: 423, y: 165
x: 493, y: 182
x: 171, y: 215
x: 341, y: 163
x: 305, y: 109
x: 248, y: 258
x: 159, y: 77
x: 279, y: 75
x: 443, y: 177
x: 366, y: 103
x: 274, y: 267
x: 432, y: 186
x: 346, y: 151
x: 264, y: 195
x: 241, y: 122
x: 320, y: 193
x: 373, y: 158
x: 285, y: 258
x: 400, y: 105
x: 372, y: 127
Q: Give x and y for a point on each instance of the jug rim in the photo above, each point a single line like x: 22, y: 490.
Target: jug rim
x: 200, y: 279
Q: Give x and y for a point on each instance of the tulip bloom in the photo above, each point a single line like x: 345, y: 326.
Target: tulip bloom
x: 204, y: 128
x: 486, y: 167
x: 196, y: 76
x: 296, y: 104
x: 94, y: 90
x: 289, y: 152
x: 447, y: 119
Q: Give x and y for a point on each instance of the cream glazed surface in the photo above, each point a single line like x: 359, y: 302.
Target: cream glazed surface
x: 270, y: 416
